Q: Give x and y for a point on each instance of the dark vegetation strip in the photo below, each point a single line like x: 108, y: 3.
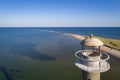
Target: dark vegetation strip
x: 111, y: 43
x: 5, y: 72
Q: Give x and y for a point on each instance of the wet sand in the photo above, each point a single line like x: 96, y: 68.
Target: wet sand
x: 112, y: 52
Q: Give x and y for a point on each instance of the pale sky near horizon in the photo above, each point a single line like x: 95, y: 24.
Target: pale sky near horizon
x: 53, y: 13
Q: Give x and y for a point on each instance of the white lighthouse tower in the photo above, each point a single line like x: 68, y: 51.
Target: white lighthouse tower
x: 91, y: 60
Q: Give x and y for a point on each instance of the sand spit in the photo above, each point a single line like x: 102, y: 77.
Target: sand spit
x: 76, y: 36
x: 112, y: 52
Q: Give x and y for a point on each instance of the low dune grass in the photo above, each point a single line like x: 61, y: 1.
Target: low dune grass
x: 112, y: 43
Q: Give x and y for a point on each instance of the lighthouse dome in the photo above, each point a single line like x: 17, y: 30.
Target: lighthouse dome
x: 92, y: 41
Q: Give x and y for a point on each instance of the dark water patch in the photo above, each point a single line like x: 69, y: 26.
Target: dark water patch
x: 5, y: 72
x: 29, y: 51
x: 14, y: 70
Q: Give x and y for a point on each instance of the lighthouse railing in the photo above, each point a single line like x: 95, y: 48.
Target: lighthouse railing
x: 102, y: 64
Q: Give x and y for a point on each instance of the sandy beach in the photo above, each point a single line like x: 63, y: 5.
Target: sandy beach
x: 76, y: 36
x: 110, y: 51
x: 113, y: 52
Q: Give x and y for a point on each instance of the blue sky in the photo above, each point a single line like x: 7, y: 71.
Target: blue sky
x: 40, y: 13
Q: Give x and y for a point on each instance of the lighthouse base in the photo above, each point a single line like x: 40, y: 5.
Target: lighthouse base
x: 90, y: 75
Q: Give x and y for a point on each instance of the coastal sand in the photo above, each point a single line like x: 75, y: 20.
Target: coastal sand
x: 112, y: 52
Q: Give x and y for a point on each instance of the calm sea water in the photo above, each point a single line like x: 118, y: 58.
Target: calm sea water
x: 32, y: 54
x: 109, y: 32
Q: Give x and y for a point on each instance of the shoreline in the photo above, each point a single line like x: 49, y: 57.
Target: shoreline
x: 113, y: 52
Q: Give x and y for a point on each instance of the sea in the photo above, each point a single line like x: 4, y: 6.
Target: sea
x: 44, y: 53
x: 108, y: 32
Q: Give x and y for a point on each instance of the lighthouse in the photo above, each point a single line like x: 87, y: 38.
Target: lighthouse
x: 91, y: 60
